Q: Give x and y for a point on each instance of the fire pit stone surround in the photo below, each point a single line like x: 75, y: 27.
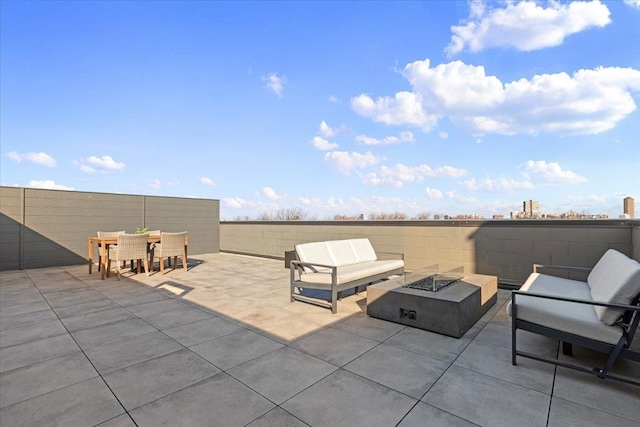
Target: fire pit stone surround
x: 451, y: 311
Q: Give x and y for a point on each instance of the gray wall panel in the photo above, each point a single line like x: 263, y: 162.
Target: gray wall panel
x: 507, y: 249
x: 41, y: 228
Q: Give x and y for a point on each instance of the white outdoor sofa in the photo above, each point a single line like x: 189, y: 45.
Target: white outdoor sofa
x: 601, y: 313
x: 338, y: 265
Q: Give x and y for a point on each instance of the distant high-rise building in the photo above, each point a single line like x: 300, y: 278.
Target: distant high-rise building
x: 627, y: 205
x: 531, y: 208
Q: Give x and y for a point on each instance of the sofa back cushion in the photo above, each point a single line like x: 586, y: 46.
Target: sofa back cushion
x: 315, y: 252
x: 616, y: 279
x: 363, y: 250
x: 342, y: 253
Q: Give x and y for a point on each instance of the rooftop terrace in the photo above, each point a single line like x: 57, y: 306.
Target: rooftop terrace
x: 222, y: 345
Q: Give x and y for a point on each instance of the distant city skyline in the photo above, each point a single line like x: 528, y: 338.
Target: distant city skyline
x: 334, y: 108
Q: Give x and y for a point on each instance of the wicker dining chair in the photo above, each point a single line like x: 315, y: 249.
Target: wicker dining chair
x: 150, y: 233
x: 106, y: 234
x: 171, y: 245
x: 130, y: 246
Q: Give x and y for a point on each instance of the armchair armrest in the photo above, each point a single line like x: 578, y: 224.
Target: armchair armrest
x: 568, y: 272
x: 629, y: 322
x: 559, y: 267
x: 635, y: 308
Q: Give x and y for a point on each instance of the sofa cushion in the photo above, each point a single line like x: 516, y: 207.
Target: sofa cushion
x: 575, y: 318
x: 363, y: 250
x: 615, y: 278
x: 314, y: 252
x: 349, y: 273
x: 342, y: 252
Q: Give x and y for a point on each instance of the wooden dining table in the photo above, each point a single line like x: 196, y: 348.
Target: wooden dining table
x: 103, y: 242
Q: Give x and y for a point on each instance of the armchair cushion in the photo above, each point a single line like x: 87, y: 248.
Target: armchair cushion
x: 575, y: 318
x: 614, y: 279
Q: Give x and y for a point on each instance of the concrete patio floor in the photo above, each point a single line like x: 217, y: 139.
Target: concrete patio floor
x: 221, y: 345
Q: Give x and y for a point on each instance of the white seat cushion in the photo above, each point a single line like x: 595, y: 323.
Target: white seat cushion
x: 615, y: 278
x: 349, y: 273
x: 579, y: 319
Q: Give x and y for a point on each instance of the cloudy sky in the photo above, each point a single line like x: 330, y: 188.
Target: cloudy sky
x: 335, y: 108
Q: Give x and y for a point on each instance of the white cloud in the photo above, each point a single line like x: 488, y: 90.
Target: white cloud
x: 399, y: 174
x: 633, y: 3
x: 403, y: 108
x: 322, y: 144
x: 447, y: 171
x: 270, y: 193
x: 595, y: 198
x: 454, y: 87
x: 345, y: 162
x: 535, y: 174
x: 325, y: 130
x: 333, y: 98
x: 443, y: 135
x: 550, y: 173
x: 525, y: 25
x: 158, y: 185
x: 207, y: 181
x: 433, y: 193
x: 587, y: 102
x: 102, y: 164
x: 499, y: 185
x: 275, y: 84
x: 389, y: 140
x: 48, y: 184
x: 235, y: 203
x: 40, y: 158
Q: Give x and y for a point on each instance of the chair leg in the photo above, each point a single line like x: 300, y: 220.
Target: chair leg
x: 138, y: 267
x: 146, y: 266
x: 108, y: 267
x: 184, y: 262
x: 118, y: 277
x: 161, y: 265
x: 175, y: 262
x: 99, y: 262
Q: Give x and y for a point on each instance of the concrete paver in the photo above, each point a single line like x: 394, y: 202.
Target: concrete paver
x: 221, y: 344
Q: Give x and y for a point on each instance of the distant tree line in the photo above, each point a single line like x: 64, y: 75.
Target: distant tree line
x: 297, y: 214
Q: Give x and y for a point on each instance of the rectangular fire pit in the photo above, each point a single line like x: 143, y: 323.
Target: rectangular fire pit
x: 452, y: 309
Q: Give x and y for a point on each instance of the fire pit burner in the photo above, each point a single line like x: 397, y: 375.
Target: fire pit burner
x: 433, y: 283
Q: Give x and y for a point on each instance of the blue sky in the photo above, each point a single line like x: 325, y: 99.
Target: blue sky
x: 335, y: 108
